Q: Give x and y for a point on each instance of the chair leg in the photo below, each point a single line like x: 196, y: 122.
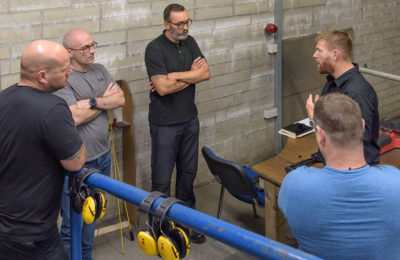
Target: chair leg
x: 254, y: 210
x: 221, y: 198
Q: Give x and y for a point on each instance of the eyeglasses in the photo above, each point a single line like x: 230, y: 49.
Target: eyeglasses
x: 86, y: 48
x: 180, y: 25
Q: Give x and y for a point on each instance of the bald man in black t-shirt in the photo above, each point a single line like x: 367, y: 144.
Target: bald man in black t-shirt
x: 38, y: 138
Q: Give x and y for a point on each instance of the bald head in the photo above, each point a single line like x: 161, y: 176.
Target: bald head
x: 40, y: 57
x: 74, y: 38
x: 81, y: 48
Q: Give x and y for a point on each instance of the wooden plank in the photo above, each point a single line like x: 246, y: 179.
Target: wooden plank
x: 299, y: 148
x: 274, y: 220
x: 111, y: 228
x: 295, y: 150
x: 270, y: 213
x: 391, y: 157
x: 128, y: 141
x: 273, y: 169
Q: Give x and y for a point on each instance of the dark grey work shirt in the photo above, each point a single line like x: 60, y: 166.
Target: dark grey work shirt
x: 354, y: 85
x: 162, y: 57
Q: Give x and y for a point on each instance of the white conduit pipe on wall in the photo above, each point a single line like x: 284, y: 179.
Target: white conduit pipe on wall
x: 380, y: 74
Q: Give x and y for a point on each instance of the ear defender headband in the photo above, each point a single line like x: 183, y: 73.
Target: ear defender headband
x: 78, y: 192
x: 92, y: 205
x: 147, y: 237
x: 173, y: 243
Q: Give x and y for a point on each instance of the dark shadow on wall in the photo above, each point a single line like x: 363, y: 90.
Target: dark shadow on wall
x: 300, y: 77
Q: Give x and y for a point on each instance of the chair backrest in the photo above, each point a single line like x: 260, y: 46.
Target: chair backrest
x: 231, y: 175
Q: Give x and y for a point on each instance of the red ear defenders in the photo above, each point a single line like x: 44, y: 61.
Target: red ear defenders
x: 173, y: 242
x: 92, y: 204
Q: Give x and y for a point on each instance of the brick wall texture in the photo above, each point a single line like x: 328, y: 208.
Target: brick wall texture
x: 230, y: 34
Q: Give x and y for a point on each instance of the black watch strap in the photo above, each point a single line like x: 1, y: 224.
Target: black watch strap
x: 92, y: 103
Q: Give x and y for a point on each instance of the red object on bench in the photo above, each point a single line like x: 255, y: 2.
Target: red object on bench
x: 390, y: 130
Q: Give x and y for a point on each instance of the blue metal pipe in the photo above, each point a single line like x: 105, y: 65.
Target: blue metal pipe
x: 249, y: 242
x: 76, y: 235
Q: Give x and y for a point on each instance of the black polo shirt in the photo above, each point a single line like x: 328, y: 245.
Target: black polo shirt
x: 163, y: 56
x: 353, y: 84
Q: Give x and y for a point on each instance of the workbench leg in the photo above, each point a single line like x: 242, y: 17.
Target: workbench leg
x: 274, y: 219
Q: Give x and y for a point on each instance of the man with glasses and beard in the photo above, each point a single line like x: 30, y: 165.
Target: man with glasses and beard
x: 174, y: 65
x: 90, y: 92
x: 333, y: 55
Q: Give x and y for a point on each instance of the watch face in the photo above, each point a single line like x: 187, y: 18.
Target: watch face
x: 92, y: 103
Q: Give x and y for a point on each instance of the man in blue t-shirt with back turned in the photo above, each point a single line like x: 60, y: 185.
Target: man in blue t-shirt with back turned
x: 348, y: 209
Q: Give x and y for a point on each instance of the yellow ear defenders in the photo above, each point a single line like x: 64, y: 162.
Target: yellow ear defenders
x: 173, y: 243
x: 147, y: 238
x: 92, y: 205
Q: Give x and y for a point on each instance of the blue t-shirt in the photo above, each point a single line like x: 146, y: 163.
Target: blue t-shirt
x: 344, y: 214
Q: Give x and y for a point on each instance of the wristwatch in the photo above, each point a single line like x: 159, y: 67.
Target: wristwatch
x: 92, y: 103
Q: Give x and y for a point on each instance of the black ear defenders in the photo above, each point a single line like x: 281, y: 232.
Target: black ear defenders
x: 92, y: 204
x: 173, y: 242
x: 147, y: 238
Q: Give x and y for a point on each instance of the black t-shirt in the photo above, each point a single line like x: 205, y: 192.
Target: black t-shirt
x: 162, y: 57
x: 354, y: 85
x: 37, y: 131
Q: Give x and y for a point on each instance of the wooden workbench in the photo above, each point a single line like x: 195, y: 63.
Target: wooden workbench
x: 273, y: 173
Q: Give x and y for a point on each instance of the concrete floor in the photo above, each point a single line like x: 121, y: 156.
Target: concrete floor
x: 233, y: 211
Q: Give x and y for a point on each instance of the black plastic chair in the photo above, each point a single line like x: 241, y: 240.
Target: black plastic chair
x: 240, y: 181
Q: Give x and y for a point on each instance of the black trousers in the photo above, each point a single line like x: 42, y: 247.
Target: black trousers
x: 175, y: 144
x: 51, y: 248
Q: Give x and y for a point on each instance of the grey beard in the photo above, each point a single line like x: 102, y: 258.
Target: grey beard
x: 177, y: 35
